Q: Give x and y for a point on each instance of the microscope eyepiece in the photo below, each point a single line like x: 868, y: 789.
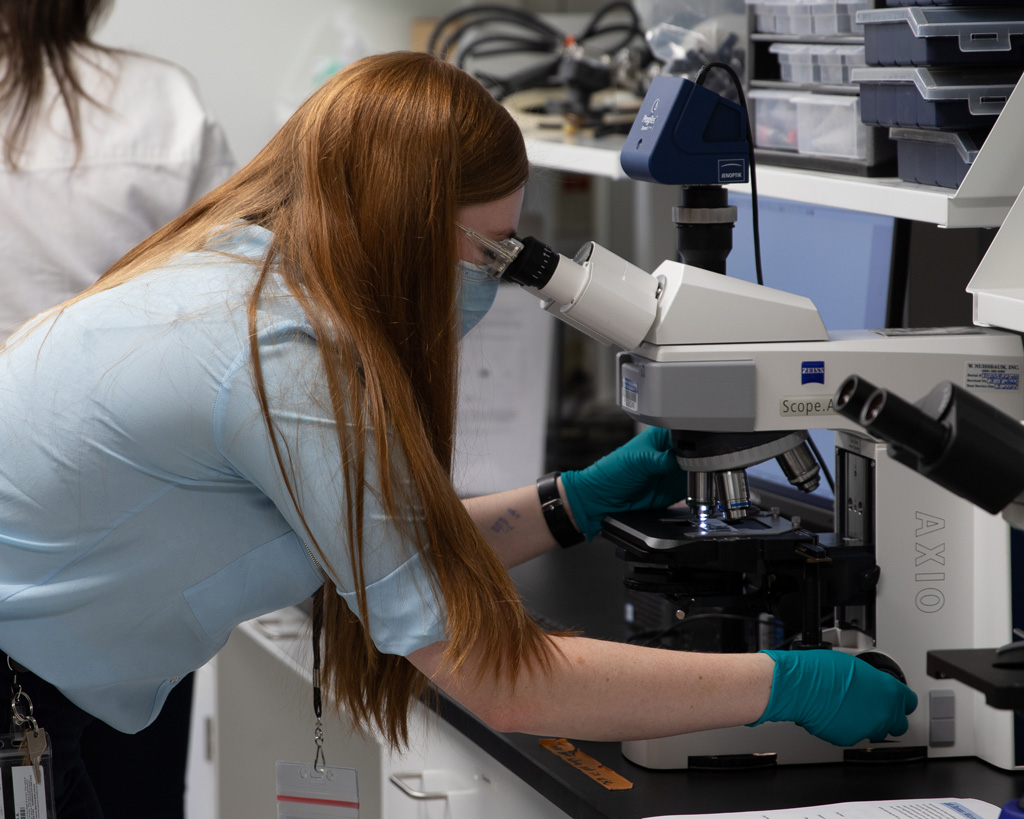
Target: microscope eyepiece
x: 851, y: 397
x: 899, y: 422
x: 887, y: 416
x: 534, y: 265
x: 873, y: 406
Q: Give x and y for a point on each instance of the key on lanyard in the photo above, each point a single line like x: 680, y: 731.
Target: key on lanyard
x: 35, y: 746
x: 34, y: 741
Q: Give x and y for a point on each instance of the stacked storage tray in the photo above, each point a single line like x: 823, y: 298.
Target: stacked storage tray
x: 939, y: 75
x: 948, y: 99
x: 936, y: 157
x: 945, y: 36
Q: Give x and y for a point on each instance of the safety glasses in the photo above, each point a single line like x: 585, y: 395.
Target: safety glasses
x: 495, y: 256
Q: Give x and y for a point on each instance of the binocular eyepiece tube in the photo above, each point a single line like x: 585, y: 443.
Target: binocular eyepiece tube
x: 889, y: 417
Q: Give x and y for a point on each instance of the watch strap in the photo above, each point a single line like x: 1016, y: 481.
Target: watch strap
x: 555, y: 514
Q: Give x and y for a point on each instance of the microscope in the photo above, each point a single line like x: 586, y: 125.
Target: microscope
x: 739, y: 373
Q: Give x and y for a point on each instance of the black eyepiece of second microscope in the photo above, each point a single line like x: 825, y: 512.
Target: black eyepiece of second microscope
x: 889, y: 417
x: 851, y: 397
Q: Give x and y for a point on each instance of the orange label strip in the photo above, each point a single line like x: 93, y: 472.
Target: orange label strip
x: 586, y: 763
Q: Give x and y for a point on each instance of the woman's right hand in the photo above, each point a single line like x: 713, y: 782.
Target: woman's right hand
x: 837, y: 697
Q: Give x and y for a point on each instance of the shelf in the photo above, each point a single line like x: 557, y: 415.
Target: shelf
x: 816, y: 87
x: 983, y: 199
x: 593, y: 156
x: 888, y: 196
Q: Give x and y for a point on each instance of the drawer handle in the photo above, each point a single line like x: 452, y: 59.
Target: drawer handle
x: 398, y: 780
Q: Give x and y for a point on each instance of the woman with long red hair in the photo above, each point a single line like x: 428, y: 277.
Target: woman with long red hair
x: 259, y: 401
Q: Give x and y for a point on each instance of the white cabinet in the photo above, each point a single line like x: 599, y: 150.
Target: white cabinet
x: 264, y: 713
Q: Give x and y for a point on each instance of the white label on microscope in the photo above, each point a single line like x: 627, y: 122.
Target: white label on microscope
x: 986, y: 375
x: 630, y: 395
x: 804, y: 405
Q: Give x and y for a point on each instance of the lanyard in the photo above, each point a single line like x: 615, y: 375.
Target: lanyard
x: 319, y: 763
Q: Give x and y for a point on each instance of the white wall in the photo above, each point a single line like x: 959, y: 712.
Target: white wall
x: 246, y: 53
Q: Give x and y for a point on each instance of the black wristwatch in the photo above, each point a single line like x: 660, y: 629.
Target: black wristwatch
x: 555, y: 514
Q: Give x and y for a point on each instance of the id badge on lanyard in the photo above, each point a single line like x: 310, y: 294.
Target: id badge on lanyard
x: 26, y: 775
x: 307, y: 791
x: 316, y: 791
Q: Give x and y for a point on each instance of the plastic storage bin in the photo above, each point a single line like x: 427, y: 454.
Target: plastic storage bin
x: 798, y: 62
x: 817, y: 63
x: 943, y: 36
x: 830, y: 125
x: 938, y: 98
x: 838, y: 63
x: 774, y: 119
x: 839, y: 17
x: 794, y: 18
x: 803, y: 17
x: 935, y: 157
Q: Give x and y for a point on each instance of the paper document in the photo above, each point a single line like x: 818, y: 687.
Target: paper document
x: 503, y: 396
x: 896, y: 809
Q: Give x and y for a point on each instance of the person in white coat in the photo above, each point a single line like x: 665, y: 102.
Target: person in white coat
x: 100, y: 147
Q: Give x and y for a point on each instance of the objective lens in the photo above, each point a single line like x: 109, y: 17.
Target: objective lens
x: 733, y: 493
x: 800, y: 468
x: 701, y: 493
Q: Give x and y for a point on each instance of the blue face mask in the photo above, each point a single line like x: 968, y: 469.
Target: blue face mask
x: 476, y: 295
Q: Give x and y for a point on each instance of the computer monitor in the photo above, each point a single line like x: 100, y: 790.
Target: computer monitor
x: 842, y: 260
x: 850, y: 264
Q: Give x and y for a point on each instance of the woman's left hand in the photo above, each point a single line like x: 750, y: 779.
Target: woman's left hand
x: 642, y: 474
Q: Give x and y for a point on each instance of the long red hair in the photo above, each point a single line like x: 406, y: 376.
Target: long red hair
x: 360, y: 189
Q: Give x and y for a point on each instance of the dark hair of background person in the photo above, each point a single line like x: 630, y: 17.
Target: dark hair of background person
x: 36, y: 36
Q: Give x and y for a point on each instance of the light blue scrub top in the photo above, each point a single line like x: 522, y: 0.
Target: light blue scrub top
x: 142, y: 512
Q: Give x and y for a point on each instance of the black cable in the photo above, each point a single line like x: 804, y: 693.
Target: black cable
x: 549, y: 42
x: 699, y: 79
x: 534, y: 77
x: 537, y: 36
x: 630, y: 34
x: 607, y: 9
x: 609, y: 30
x: 512, y: 45
x: 632, y: 29
x: 486, y: 14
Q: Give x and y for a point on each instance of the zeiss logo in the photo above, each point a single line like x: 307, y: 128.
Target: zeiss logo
x: 812, y: 372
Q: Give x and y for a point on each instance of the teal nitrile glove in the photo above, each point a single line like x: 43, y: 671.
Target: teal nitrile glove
x: 642, y: 474
x: 837, y: 697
